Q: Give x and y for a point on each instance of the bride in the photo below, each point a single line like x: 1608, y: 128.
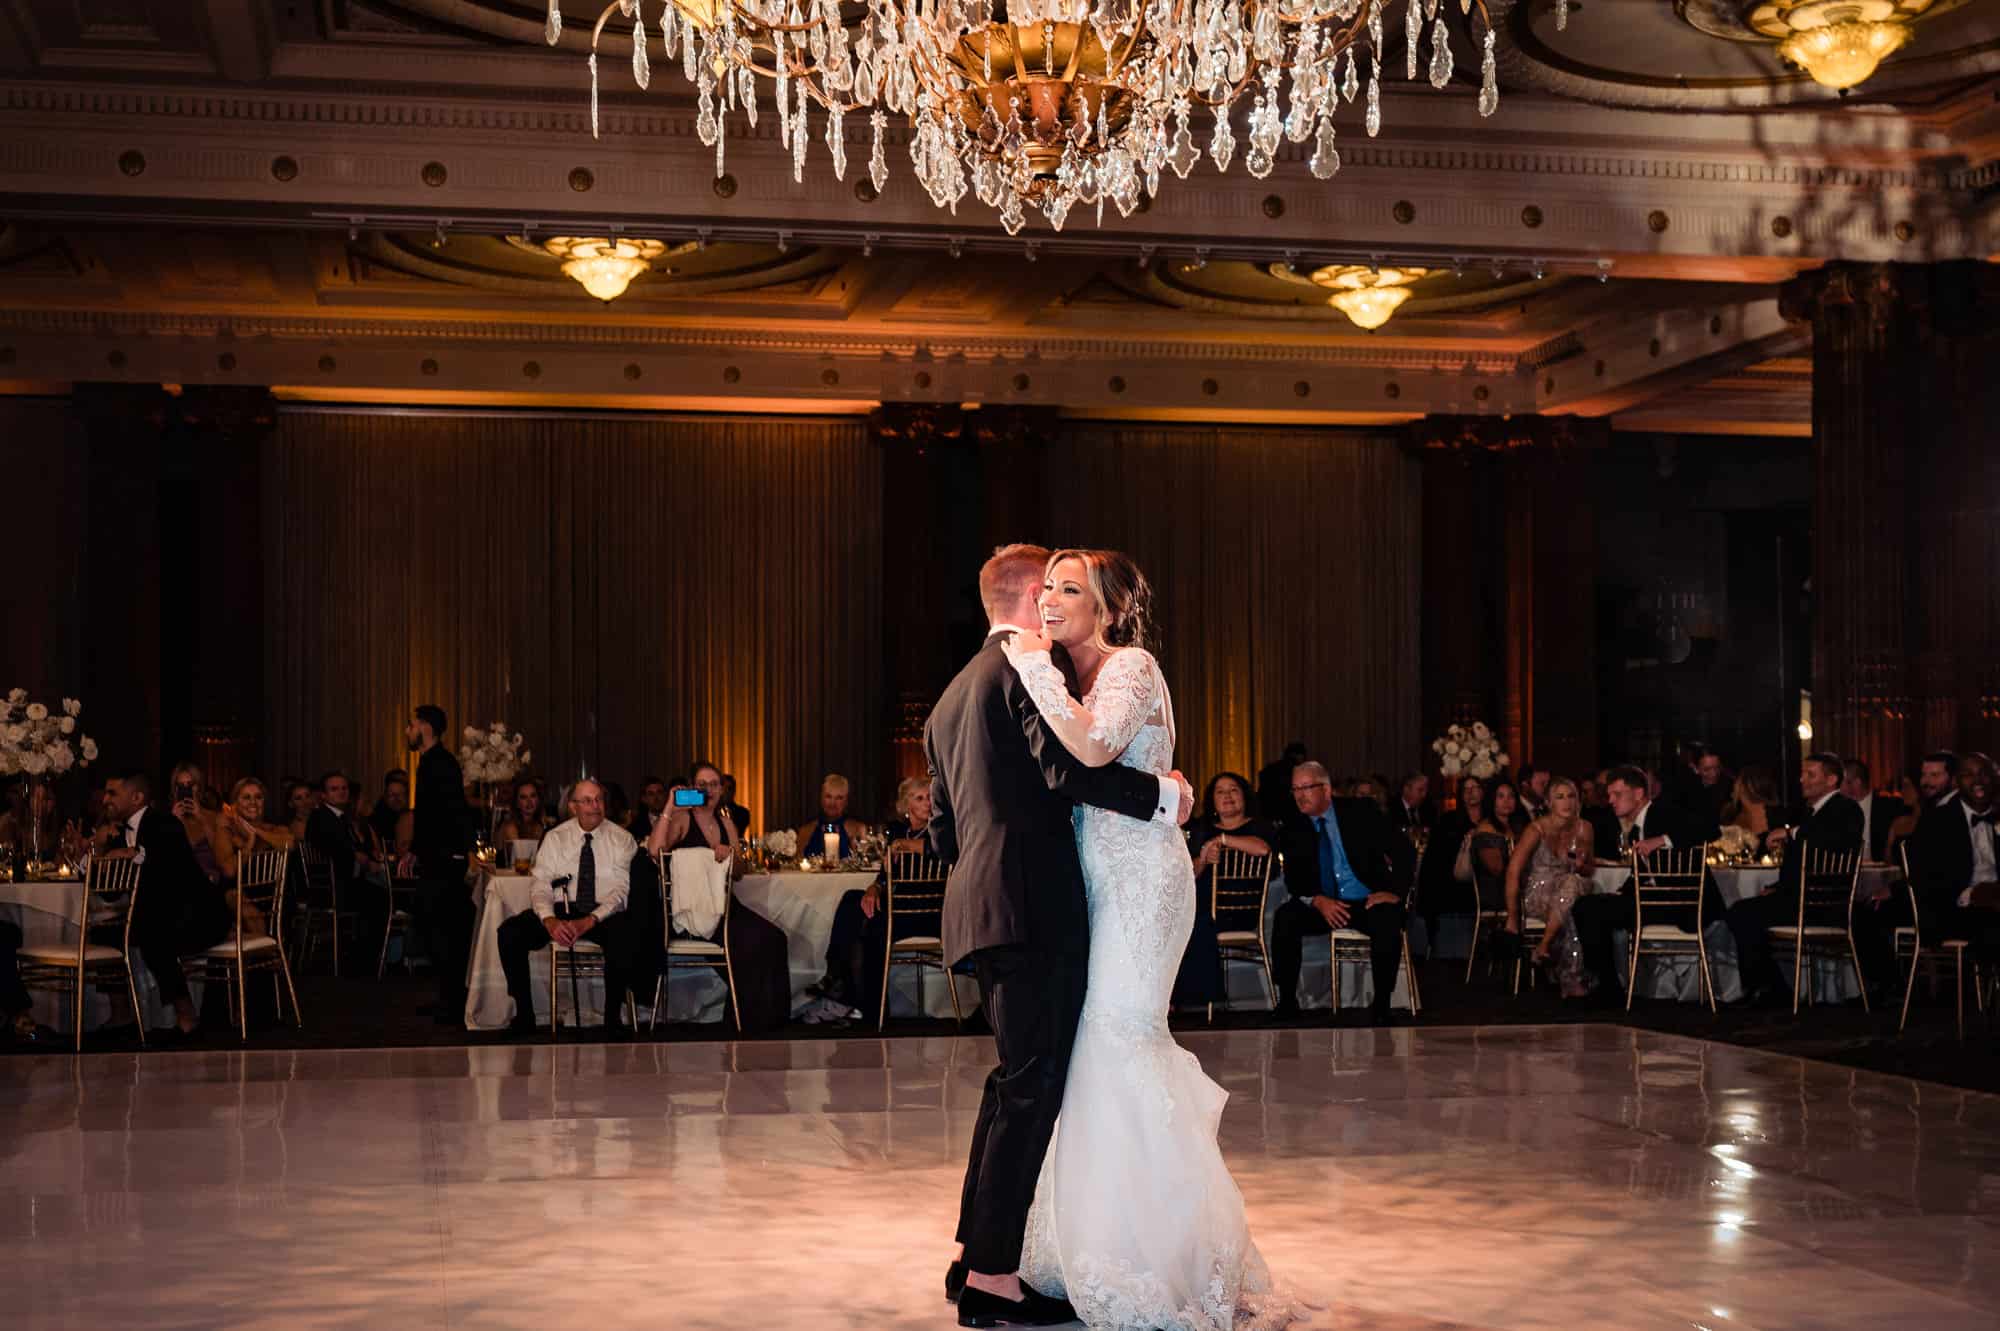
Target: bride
x: 1136, y: 1219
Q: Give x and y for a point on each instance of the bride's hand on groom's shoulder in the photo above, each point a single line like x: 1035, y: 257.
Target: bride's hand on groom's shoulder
x: 1025, y: 643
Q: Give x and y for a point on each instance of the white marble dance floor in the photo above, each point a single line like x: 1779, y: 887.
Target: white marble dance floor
x: 1572, y: 1177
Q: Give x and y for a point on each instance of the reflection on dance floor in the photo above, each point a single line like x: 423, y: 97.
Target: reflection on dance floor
x: 1516, y: 1177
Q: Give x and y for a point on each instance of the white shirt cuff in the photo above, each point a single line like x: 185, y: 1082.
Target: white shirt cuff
x: 543, y: 912
x: 1965, y: 899
x: 1169, y: 810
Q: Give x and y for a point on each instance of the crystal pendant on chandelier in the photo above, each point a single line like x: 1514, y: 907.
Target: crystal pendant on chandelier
x: 1039, y: 105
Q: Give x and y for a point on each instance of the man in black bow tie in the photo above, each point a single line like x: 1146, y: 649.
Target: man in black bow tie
x: 1952, y: 867
x: 1829, y: 823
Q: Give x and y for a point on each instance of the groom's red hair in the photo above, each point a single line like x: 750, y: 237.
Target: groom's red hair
x: 1014, y: 571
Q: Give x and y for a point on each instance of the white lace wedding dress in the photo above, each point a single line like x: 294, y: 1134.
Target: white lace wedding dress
x: 1136, y: 1219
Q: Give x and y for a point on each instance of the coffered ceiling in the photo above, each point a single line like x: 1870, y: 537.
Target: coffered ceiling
x: 320, y: 195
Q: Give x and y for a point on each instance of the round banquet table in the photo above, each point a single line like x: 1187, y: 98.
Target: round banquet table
x: 47, y: 911
x: 802, y: 904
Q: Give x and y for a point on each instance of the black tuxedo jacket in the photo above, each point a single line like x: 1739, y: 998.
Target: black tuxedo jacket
x: 1439, y: 856
x: 335, y: 836
x: 1603, y: 831
x: 1407, y: 820
x: 1002, y: 790
x: 1941, y: 856
x: 1657, y: 819
x: 1381, y: 857
x: 443, y: 824
x: 170, y: 880
x: 1887, y: 809
x: 1836, y: 827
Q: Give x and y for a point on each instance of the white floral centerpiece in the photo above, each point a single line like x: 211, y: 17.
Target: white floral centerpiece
x: 1472, y: 750
x: 784, y: 844
x: 491, y: 755
x: 41, y: 745
x: 38, y: 743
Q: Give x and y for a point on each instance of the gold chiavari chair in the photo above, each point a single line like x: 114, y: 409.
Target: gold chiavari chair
x: 915, y: 903
x: 581, y: 960
x: 1909, y: 942
x: 1352, y: 947
x: 1668, y: 881
x: 251, y: 946
x: 110, y: 890
x: 1241, y: 882
x: 320, y: 896
x: 402, y: 912
x: 693, y: 953
x: 1487, y: 919
x: 1827, y: 882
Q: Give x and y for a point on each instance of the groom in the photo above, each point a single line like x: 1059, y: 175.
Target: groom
x: 1002, y: 789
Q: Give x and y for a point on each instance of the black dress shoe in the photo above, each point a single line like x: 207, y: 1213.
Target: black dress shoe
x: 1285, y: 1012
x: 522, y: 1028
x: 954, y: 1281
x: 978, y: 1308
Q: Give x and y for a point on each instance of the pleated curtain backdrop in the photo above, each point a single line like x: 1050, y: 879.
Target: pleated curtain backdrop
x: 1286, y: 567
x: 629, y: 593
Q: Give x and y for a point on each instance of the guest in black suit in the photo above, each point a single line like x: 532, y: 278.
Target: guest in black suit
x: 1411, y: 808
x: 438, y: 845
x: 336, y: 833
x: 1438, y: 893
x: 1631, y: 821
x: 1877, y: 811
x: 1829, y: 822
x: 179, y: 911
x: 1002, y: 790
x: 1718, y: 785
x: 651, y: 807
x: 1345, y: 868
x: 1952, y: 867
x: 1274, y: 784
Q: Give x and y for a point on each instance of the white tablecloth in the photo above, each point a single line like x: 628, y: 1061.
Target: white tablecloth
x: 801, y: 904
x: 47, y: 912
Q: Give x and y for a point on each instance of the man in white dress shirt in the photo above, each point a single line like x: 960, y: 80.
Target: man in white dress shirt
x: 582, y: 877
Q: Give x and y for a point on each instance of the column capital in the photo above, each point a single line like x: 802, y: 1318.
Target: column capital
x: 1947, y: 292
x: 1466, y: 437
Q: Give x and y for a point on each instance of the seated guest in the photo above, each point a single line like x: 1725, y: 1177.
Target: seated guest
x: 1911, y: 794
x: 1640, y: 825
x: 909, y: 831
x: 617, y: 805
x: 652, y: 803
x: 860, y: 924
x: 1531, y: 787
x: 1274, y: 784
x: 757, y: 948
x: 581, y: 880
x: 1717, y: 786
x: 1344, y: 868
x: 528, y: 819
x: 336, y: 833
x: 1829, y: 822
x: 1952, y: 868
x: 1877, y: 811
x: 34, y: 826
x: 188, y: 787
x: 178, y: 912
x: 1411, y: 809
x: 239, y: 831
x: 1505, y: 809
x: 833, y: 820
x: 1440, y: 891
x: 1753, y: 801
x: 1224, y: 824
x: 1546, y: 876
x: 1492, y: 845
x: 300, y: 797
x: 389, y: 809
x: 737, y: 813
x: 1937, y: 777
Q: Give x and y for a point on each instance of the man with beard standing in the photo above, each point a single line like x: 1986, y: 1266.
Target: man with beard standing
x: 438, y: 844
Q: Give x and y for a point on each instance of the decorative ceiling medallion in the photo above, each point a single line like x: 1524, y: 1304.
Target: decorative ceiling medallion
x: 517, y: 266
x: 1367, y: 293
x: 1838, y: 42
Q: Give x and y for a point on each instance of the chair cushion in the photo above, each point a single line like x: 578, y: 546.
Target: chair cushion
x: 1811, y: 931
x: 64, y: 954
x: 1350, y: 936
x: 581, y: 945
x: 257, y: 943
x: 1236, y: 936
x: 693, y: 947
x: 919, y: 942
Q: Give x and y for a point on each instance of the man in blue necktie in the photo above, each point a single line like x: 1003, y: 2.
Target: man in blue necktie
x: 1345, y: 868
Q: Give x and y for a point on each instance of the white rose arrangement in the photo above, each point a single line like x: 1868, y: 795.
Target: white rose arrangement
x: 784, y: 845
x: 36, y: 742
x: 1472, y: 750
x: 492, y: 754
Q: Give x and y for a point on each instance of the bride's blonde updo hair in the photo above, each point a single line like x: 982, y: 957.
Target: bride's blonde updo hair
x: 1124, y: 597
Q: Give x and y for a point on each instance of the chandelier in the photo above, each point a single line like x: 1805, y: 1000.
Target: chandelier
x: 1838, y: 43
x: 1038, y: 105
x: 601, y: 265
x: 1366, y: 293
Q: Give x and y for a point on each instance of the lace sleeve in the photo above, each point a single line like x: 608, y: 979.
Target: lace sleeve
x: 1123, y: 698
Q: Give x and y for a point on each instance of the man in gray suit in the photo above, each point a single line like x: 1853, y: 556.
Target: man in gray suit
x: 1002, y: 789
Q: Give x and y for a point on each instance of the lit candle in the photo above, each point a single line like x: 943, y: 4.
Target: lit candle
x: 62, y: 871
x: 832, y: 847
